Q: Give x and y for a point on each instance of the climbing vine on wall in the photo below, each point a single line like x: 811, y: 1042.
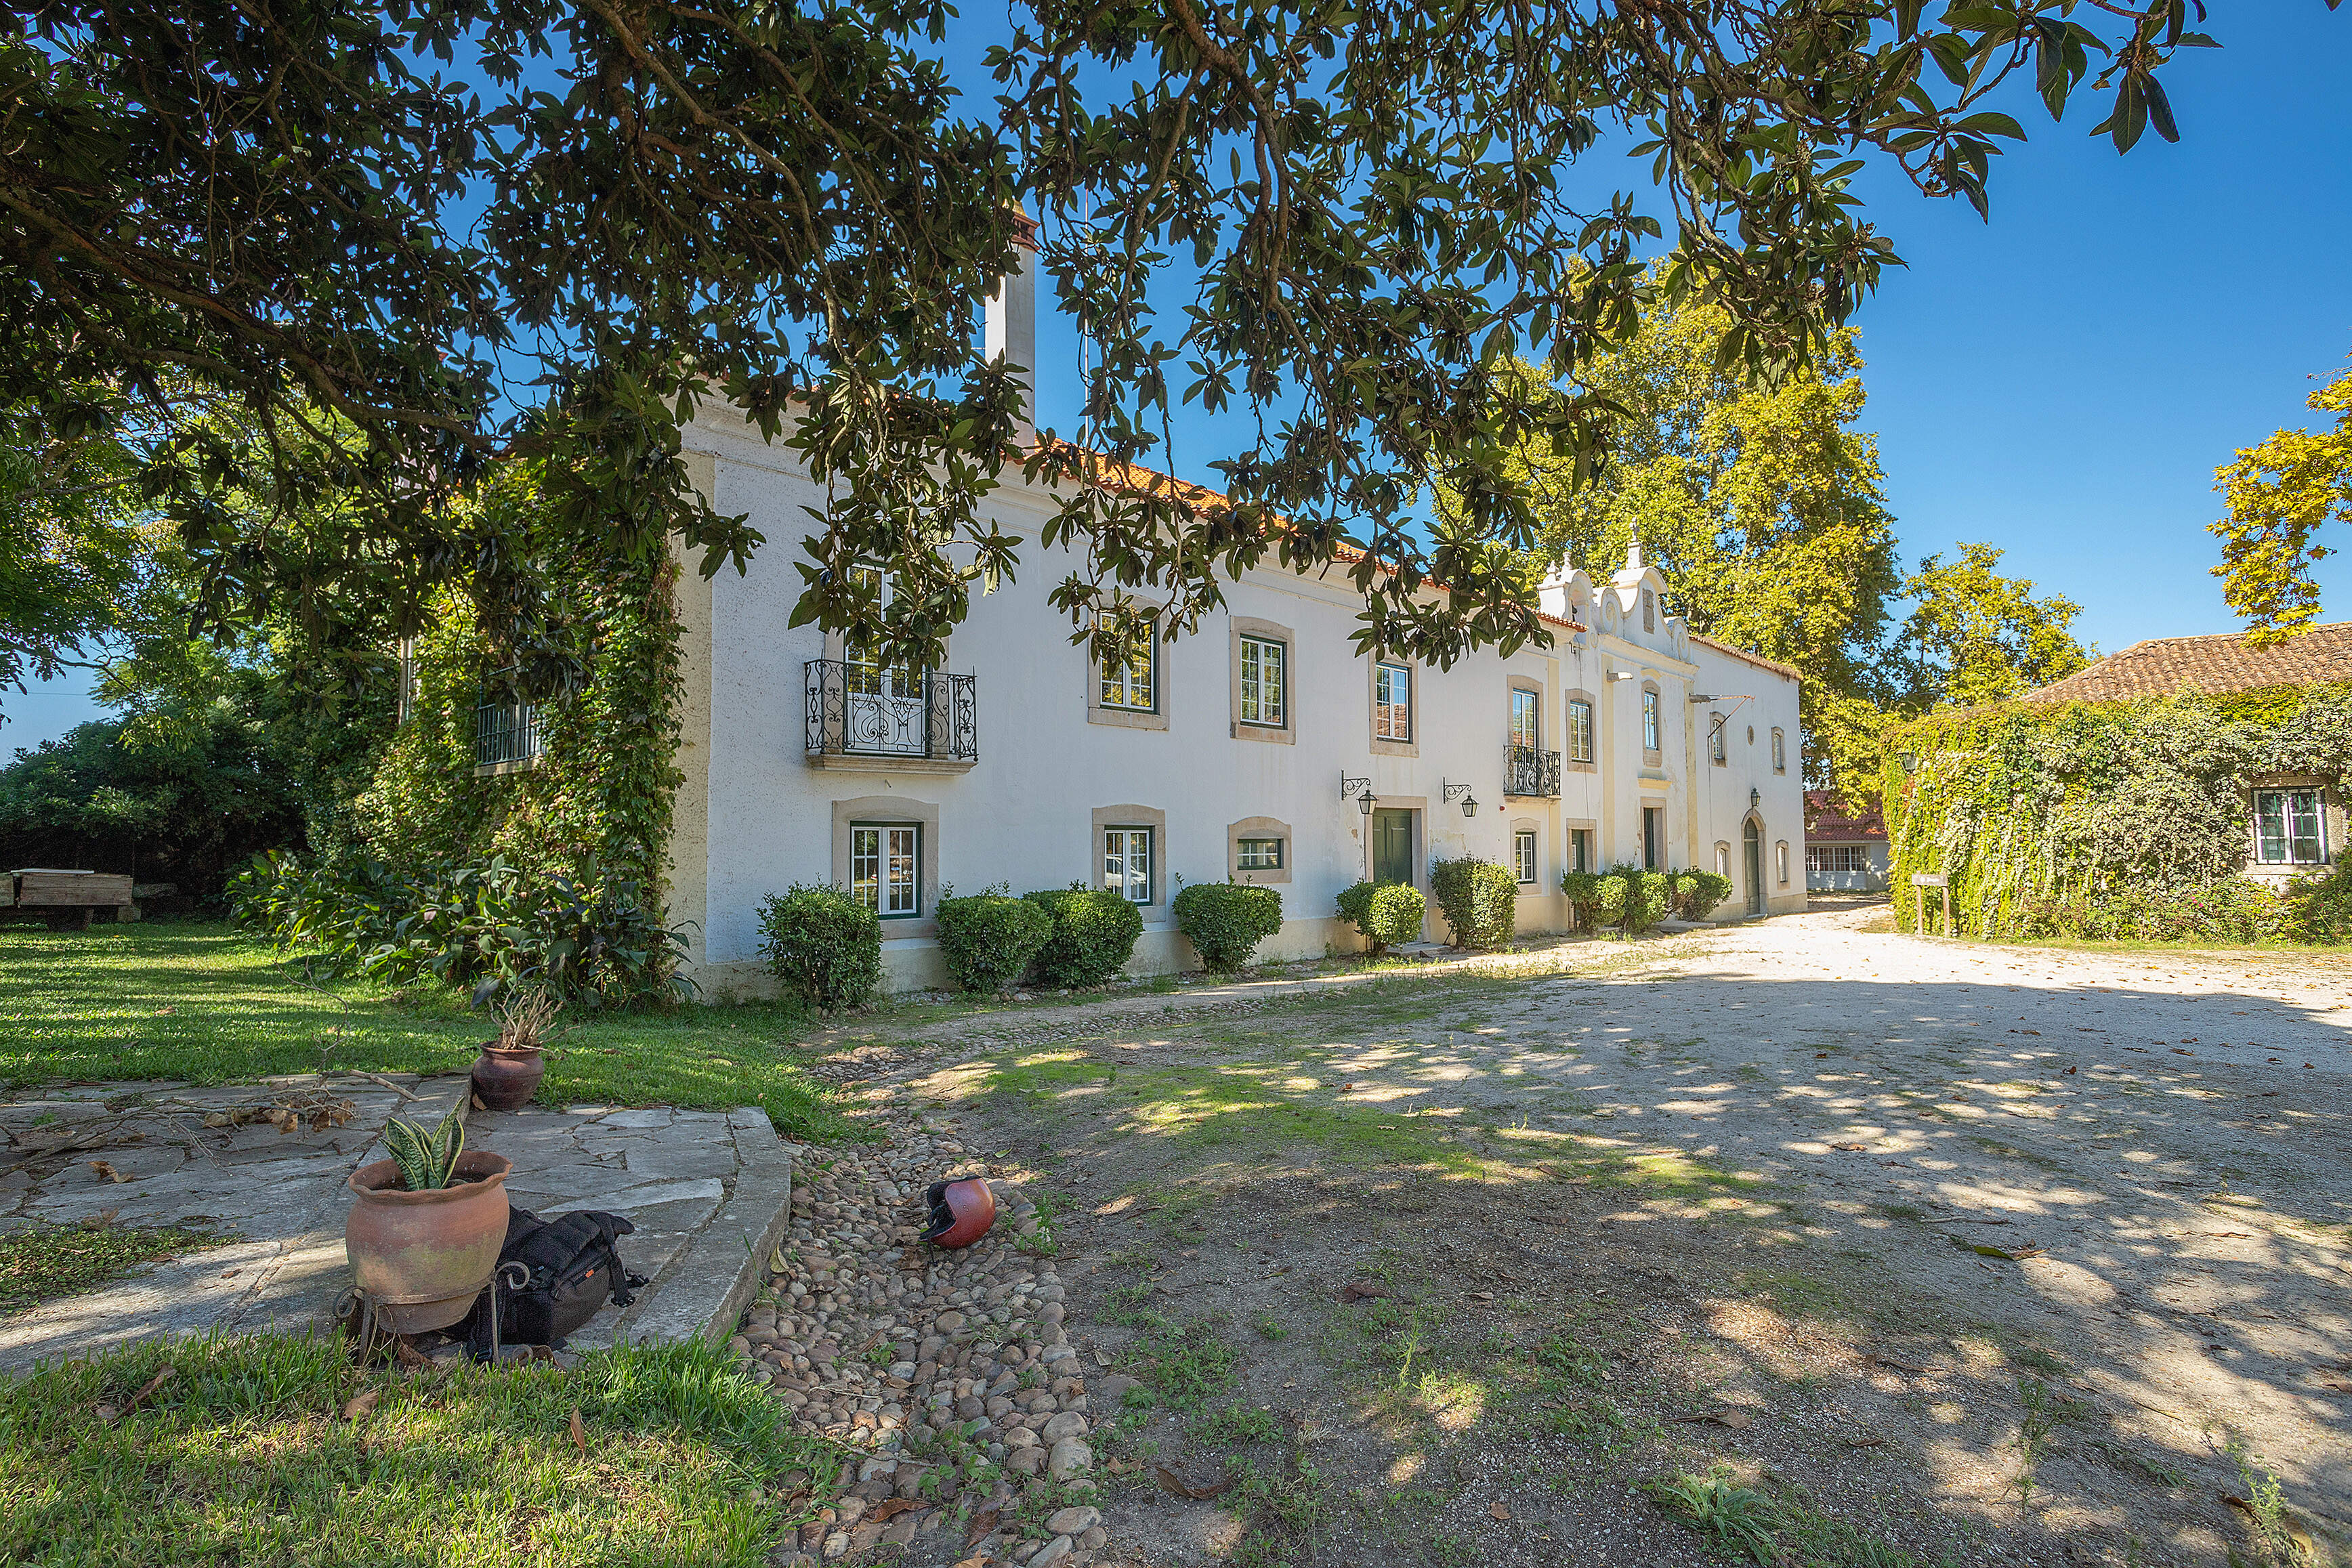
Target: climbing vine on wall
x: 2109, y: 819
x: 598, y: 803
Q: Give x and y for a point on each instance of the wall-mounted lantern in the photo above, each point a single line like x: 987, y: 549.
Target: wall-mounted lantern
x: 1461, y: 792
x: 1359, y: 790
x: 1755, y: 796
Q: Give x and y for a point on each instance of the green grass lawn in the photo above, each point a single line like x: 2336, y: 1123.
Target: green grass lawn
x: 206, y: 1004
x: 244, y: 1455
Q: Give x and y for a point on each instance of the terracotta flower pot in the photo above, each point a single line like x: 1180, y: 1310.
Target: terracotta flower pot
x: 505, y: 1077
x: 425, y: 1256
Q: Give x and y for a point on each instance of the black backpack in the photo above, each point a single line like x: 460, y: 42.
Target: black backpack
x: 570, y: 1266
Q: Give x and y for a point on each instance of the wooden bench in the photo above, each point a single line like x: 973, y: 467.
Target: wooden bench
x: 69, y: 893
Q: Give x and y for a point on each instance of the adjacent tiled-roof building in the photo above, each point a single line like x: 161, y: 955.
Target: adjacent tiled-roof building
x: 2164, y: 666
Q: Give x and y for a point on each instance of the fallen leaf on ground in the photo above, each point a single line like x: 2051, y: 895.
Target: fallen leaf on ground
x: 1499, y: 1511
x: 1863, y: 1442
x: 2337, y: 1387
x: 407, y: 1355
x: 891, y: 1508
x: 1897, y: 1365
x: 982, y: 1524
x: 107, y: 1171
x: 1348, y: 1088
x: 1849, y: 1145
x: 107, y: 1412
x: 360, y: 1404
x: 1738, y: 1420
x: 1482, y: 1295
x: 1171, y: 1481
x: 982, y: 1560
x: 1987, y: 1249
x: 579, y: 1433
x: 1362, y: 1289
x: 152, y: 1384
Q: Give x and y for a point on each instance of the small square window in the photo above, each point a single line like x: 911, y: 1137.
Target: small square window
x: 1257, y: 855
x: 1127, y: 863
x: 1523, y: 858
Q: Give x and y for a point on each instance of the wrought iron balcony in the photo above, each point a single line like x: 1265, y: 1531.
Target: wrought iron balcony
x: 1526, y: 771
x: 864, y: 714
x: 506, y: 734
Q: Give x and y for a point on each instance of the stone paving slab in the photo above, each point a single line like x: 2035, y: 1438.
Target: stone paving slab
x: 281, y: 1192
x: 709, y: 1191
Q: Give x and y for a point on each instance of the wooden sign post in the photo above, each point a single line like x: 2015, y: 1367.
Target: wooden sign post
x: 1920, y: 882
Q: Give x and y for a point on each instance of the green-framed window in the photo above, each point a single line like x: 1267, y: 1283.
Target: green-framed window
x: 1133, y: 685
x: 2288, y: 828
x: 1266, y: 682
x: 1257, y: 855
x: 1523, y: 857
x: 886, y: 868
x: 1127, y: 863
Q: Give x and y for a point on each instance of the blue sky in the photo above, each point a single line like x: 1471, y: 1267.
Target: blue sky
x: 2063, y: 380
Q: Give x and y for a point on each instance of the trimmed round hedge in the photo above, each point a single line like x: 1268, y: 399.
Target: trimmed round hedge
x: 824, y: 945
x: 987, y: 940
x: 1226, y: 921
x: 1093, y: 935
x: 1387, y: 912
x: 1479, y: 899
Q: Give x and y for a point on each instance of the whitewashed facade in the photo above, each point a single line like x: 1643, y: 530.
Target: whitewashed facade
x: 1630, y: 739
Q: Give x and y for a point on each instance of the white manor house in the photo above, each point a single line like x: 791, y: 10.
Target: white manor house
x: 1262, y: 748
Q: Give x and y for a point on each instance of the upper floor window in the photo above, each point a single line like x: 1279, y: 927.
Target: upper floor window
x: 1523, y: 858
x: 1134, y: 684
x: 863, y: 674
x: 1127, y: 863
x: 1779, y: 752
x: 1579, y: 731
x: 1715, y: 740
x: 1266, y: 697
x: 1391, y: 701
x: 1650, y: 720
x: 1526, y: 722
x: 2287, y: 828
x: 886, y: 868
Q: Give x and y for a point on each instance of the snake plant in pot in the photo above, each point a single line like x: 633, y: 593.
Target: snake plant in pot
x: 427, y: 1225
x: 506, y: 1073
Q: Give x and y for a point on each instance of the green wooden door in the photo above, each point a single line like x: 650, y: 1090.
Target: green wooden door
x: 1392, y: 846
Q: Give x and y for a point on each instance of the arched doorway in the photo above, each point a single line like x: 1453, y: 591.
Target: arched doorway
x: 1752, y: 841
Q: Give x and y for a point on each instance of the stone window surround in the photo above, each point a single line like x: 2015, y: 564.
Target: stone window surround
x: 1127, y: 718
x: 1519, y: 683
x: 1571, y: 826
x: 1528, y: 825
x: 1718, y: 739
x: 1722, y: 858
x: 1260, y: 828
x: 1287, y: 732
x: 871, y: 809
x: 1411, y: 746
x: 1592, y: 708
x: 1780, y: 862
x: 1652, y: 755
x: 1779, y: 750
x: 1133, y: 816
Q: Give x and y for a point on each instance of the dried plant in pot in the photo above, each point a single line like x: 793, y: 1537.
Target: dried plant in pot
x: 508, y: 1073
x: 427, y: 1225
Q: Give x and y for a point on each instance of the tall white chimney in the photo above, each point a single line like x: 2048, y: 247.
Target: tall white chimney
x: 1011, y: 325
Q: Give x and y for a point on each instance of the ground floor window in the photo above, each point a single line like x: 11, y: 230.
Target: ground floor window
x: 1257, y: 855
x: 1580, y: 850
x: 1127, y: 863
x: 1653, y: 837
x: 1523, y: 858
x: 1781, y: 860
x: 1723, y: 860
x: 2287, y: 829
x: 885, y: 861
x: 1836, y: 858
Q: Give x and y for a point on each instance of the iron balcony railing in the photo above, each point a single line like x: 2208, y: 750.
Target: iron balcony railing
x: 1526, y: 771
x: 864, y: 710
x: 504, y: 732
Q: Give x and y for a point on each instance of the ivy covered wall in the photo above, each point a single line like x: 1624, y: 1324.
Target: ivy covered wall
x: 601, y: 792
x: 2112, y: 818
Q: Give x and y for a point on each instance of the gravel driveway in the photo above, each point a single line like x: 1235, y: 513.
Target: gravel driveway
x: 1791, y: 1239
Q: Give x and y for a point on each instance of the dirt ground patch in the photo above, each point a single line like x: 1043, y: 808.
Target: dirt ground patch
x: 1788, y: 1244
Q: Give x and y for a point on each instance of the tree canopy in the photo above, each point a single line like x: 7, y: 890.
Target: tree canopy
x: 1974, y: 636
x: 414, y: 239
x: 2282, y: 492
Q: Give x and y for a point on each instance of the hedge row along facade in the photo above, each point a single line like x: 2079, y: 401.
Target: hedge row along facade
x: 2181, y: 787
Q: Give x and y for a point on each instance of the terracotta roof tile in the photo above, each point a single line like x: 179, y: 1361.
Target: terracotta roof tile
x: 1829, y: 824
x: 2212, y: 666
